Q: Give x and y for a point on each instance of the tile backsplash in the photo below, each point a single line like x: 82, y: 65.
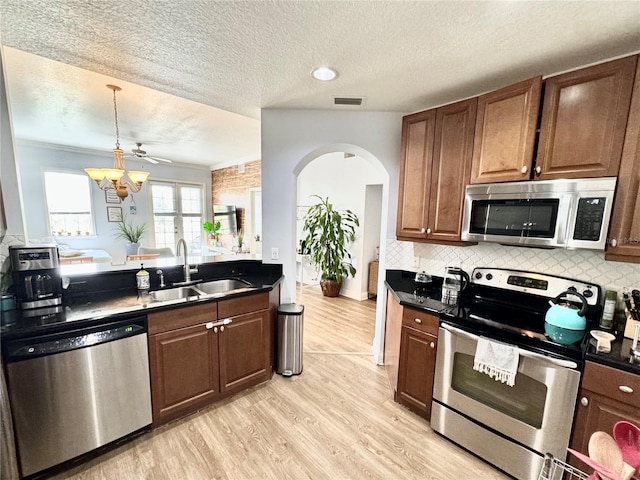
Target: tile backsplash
x: 585, y: 265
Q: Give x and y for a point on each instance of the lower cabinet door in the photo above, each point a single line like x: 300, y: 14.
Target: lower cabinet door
x: 184, y: 371
x: 416, y: 370
x: 597, y: 413
x: 245, y: 357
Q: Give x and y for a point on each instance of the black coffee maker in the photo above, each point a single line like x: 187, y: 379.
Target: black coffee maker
x: 36, y: 276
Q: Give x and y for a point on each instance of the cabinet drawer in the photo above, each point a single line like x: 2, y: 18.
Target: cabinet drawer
x: 241, y: 305
x: 176, y: 318
x: 612, y: 383
x: 420, y: 320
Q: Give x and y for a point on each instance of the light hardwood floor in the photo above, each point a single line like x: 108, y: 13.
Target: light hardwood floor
x: 337, y: 420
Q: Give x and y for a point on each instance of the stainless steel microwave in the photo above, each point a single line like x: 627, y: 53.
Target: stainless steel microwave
x: 571, y: 213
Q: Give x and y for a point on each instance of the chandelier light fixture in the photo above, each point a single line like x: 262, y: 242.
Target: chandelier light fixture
x: 112, y: 178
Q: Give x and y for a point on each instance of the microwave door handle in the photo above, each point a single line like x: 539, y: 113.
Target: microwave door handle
x: 523, y: 353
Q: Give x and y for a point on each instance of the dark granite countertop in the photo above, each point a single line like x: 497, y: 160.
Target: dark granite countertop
x: 96, y: 307
x: 403, y: 287
x: 619, y: 357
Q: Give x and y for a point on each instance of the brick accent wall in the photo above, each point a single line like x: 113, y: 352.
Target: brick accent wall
x: 232, y: 188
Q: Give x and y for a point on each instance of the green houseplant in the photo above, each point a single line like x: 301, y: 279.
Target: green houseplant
x: 328, y: 233
x: 131, y: 233
x: 213, y: 229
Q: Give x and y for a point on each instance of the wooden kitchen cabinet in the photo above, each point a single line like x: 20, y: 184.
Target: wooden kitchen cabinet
x: 411, y: 338
x: 372, y: 285
x: 417, y: 360
x: 607, y: 395
x: 505, y: 133
x: 244, y: 344
x: 437, y: 148
x: 584, y: 117
x: 624, y: 233
x: 205, y: 352
x: 183, y: 361
x: 392, y: 334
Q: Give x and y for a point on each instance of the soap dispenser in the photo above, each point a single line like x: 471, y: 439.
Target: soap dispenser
x: 142, y: 279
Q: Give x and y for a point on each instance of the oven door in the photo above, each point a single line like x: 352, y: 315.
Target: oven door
x: 537, y: 412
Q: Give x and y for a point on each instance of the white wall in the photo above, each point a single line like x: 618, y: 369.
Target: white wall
x: 291, y: 139
x: 344, y: 181
x: 34, y: 159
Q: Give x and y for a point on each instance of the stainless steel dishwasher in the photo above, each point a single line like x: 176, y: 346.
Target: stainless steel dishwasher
x: 77, y: 390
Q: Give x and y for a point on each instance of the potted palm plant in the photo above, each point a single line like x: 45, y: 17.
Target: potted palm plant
x: 131, y: 233
x: 328, y: 233
x: 213, y: 230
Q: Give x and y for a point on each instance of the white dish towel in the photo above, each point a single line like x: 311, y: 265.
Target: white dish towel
x: 498, y: 360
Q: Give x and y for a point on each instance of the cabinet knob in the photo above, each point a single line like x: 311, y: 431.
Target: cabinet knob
x: 524, y: 169
x: 422, y: 230
x: 625, y: 389
x: 584, y: 401
x: 417, y: 320
x: 428, y: 231
x: 614, y: 242
x: 222, y: 328
x: 215, y: 329
x: 538, y: 170
x: 432, y: 345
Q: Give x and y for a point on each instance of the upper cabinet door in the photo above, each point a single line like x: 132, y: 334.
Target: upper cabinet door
x: 451, y: 169
x: 624, y: 234
x: 584, y: 117
x: 505, y: 133
x: 417, y: 154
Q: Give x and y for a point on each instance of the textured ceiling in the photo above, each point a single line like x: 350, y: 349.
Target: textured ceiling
x: 176, y: 60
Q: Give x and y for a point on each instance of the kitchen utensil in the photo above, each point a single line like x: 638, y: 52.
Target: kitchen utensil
x: 454, y: 282
x: 603, y: 340
x: 604, y: 450
x: 599, y: 468
x: 423, y: 279
x: 627, y: 436
x: 564, y: 322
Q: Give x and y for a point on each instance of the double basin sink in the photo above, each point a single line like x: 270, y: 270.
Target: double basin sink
x: 214, y: 288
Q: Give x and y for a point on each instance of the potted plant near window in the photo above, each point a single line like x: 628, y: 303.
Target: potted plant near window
x: 131, y: 233
x: 328, y: 233
x: 213, y: 230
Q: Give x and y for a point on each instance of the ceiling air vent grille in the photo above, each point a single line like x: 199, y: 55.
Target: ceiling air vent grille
x: 352, y: 101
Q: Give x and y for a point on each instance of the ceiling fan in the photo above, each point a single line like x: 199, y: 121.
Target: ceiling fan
x: 142, y: 154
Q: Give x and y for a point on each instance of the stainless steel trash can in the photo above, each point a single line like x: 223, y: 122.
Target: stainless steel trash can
x: 290, y: 323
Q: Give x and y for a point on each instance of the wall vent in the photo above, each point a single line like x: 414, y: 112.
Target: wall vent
x: 352, y: 101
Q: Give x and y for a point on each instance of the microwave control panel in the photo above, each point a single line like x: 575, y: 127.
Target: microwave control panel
x: 589, y: 218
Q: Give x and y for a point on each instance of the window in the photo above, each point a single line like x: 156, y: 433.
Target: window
x: 69, y: 204
x: 177, y: 213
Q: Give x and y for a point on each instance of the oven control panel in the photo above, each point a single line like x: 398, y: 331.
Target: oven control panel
x: 534, y: 283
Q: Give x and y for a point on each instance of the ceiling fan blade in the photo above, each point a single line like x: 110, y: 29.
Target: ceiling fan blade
x: 150, y: 160
x: 158, y: 159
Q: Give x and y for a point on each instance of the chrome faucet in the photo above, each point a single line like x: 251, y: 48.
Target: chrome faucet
x: 187, y: 269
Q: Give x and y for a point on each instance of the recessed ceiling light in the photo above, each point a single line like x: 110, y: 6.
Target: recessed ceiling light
x: 324, y: 74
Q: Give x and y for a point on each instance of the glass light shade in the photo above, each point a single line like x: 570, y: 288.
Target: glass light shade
x: 113, y: 174
x: 138, y: 176
x: 96, y: 174
x: 324, y: 74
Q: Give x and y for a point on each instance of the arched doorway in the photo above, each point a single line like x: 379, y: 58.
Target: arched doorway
x: 352, y: 178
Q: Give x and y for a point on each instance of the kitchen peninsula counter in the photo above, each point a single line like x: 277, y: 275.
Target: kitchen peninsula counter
x: 97, y: 297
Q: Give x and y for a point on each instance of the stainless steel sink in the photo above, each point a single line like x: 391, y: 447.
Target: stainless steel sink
x: 222, y: 286
x: 175, y: 293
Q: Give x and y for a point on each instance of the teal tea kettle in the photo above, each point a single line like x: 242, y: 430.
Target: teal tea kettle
x: 565, y: 322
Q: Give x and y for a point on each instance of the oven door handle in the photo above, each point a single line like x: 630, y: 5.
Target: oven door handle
x: 521, y: 352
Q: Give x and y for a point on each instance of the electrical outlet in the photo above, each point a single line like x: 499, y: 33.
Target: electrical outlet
x: 274, y: 253
x: 416, y: 262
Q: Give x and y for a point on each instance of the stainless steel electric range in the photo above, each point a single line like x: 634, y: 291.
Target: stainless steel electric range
x: 511, y: 427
